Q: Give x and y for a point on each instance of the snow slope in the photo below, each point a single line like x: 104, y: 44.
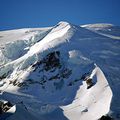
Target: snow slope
x: 92, y: 103
x: 43, y: 71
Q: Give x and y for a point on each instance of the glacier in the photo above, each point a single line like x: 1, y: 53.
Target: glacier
x: 63, y: 72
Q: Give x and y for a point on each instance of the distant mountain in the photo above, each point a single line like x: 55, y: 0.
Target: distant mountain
x: 64, y: 72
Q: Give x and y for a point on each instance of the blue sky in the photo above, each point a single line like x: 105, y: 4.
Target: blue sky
x: 39, y: 13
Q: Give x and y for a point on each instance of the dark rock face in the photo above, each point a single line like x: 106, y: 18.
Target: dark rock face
x: 52, y: 60
x: 106, y: 118
x: 88, y: 80
x: 4, y: 107
x: 49, y: 69
x: 89, y: 83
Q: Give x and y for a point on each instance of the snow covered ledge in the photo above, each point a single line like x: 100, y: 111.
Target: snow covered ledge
x: 93, y: 103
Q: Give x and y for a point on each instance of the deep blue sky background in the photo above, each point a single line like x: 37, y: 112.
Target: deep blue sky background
x: 39, y: 13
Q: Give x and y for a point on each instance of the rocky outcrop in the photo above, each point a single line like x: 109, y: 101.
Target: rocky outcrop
x: 106, y: 118
x: 4, y: 107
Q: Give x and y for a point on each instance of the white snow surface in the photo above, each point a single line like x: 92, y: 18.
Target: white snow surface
x: 60, y: 92
x: 92, y: 103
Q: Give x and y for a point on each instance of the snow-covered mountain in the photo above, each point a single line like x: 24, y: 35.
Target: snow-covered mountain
x: 64, y: 72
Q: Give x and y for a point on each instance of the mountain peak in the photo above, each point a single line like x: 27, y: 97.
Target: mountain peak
x: 63, y: 22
